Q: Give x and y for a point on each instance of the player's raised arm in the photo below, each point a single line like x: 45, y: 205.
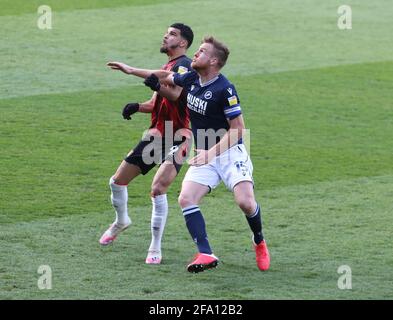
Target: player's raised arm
x: 121, y: 67
x: 138, y: 72
x: 154, y: 79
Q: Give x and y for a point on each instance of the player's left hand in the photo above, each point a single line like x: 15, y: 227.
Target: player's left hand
x: 153, y: 82
x: 129, y: 110
x: 200, y: 159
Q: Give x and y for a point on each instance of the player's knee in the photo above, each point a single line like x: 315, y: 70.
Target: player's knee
x: 157, y: 189
x: 112, y: 181
x: 116, y: 180
x: 246, y: 204
x: 185, y: 200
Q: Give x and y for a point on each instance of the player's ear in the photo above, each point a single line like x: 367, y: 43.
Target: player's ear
x: 183, y: 43
x: 213, y: 61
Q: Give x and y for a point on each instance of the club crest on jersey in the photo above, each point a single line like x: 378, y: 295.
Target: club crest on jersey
x: 182, y: 70
x: 192, y: 87
x: 230, y: 90
x: 207, y: 95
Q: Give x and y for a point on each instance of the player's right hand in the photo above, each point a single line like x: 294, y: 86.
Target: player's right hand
x: 130, y: 109
x: 120, y: 66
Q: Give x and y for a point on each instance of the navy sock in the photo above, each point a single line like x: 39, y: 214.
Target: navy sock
x: 255, y: 223
x: 197, y: 228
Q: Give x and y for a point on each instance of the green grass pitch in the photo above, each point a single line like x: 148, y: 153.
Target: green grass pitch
x: 318, y: 102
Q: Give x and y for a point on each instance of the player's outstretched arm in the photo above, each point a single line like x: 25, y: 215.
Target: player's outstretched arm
x: 141, y: 73
x: 154, y: 79
x: 120, y: 66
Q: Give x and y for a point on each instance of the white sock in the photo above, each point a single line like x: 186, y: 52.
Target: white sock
x: 119, y: 199
x: 158, y: 220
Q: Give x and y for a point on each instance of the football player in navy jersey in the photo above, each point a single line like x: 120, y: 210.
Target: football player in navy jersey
x: 214, y: 104
x: 168, y: 106
x: 218, y: 126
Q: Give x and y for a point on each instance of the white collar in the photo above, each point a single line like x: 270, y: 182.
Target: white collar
x: 209, y: 82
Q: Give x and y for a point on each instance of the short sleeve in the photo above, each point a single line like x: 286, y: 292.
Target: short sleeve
x: 186, y: 79
x: 182, y: 66
x: 231, y: 103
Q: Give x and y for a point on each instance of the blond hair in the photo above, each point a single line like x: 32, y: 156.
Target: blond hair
x: 221, y: 51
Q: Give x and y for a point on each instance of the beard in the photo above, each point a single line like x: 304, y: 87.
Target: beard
x: 165, y: 49
x: 194, y: 66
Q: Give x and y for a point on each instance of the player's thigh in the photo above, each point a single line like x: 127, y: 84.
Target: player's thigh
x: 125, y: 173
x: 163, y: 178
x: 192, y: 193
x: 235, y: 166
x: 206, y: 175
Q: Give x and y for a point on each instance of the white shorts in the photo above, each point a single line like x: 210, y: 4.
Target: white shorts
x: 231, y: 167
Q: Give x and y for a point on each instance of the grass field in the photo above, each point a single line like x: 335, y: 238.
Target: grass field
x: 317, y: 100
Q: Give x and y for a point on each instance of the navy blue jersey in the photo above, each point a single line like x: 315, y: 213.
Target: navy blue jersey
x: 210, y: 104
